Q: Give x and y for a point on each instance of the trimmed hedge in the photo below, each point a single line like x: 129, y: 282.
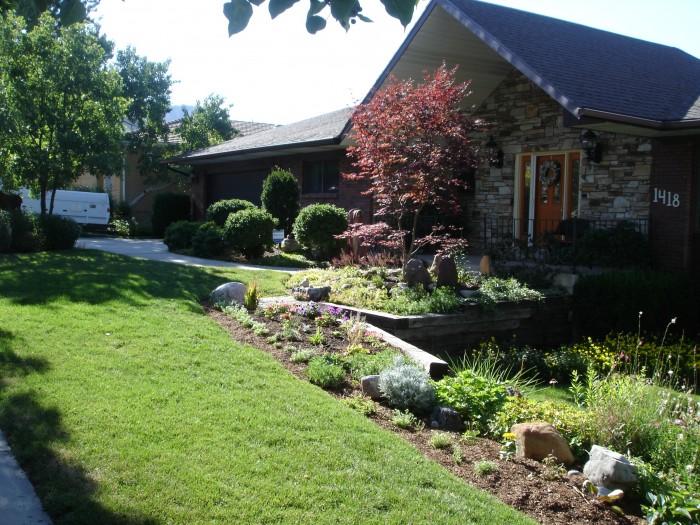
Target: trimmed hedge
x: 178, y: 236
x: 58, y: 232
x: 5, y: 231
x: 280, y: 197
x: 316, y: 227
x: 208, y: 240
x: 167, y: 209
x: 220, y: 210
x: 249, y: 232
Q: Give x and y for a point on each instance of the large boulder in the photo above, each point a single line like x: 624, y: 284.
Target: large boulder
x: 312, y: 293
x: 231, y: 293
x: 415, y: 273
x: 609, y: 469
x: 539, y: 440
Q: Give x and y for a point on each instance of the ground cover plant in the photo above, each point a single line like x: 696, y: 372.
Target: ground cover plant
x: 375, y: 288
x: 124, y: 404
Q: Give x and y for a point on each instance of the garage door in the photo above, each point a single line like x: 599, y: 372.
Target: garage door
x: 236, y: 185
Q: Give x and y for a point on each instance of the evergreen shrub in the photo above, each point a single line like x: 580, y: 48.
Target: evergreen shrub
x: 316, y: 227
x: 249, y: 232
x: 220, y: 210
x: 280, y: 197
x: 208, y: 240
x: 58, y: 232
x: 179, y: 235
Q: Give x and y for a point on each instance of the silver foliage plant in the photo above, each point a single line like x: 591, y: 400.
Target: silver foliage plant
x: 407, y: 386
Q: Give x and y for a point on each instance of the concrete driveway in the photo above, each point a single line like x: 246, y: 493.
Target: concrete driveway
x: 155, y: 250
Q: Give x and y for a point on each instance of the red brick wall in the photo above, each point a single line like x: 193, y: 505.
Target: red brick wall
x: 349, y: 195
x: 671, y: 202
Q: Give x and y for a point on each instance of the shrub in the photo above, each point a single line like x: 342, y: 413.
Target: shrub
x: 168, y: 208
x: 179, y: 235
x: 483, y: 468
x: 58, y: 232
x: 26, y: 235
x: 252, y: 296
x: 208, y: 240
x: 478, y: 389
x: 302, y: 356
x: 280, y: 197
x: 440, y: 440
x: 121, y: 210
x: 220, y: 210
x: 611, y: 302
x: 619, y: 247
x: 316, y: 227
x: 249, y: 232
x: 407, y: 386
x: 473, y: 396
x: 125, y: 227
x: 495, y: 290
x: 325, y: 372
x: 5, y: 231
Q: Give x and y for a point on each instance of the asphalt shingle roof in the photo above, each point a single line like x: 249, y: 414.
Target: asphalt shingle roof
x: 591, y: 68
x: 322, y: 129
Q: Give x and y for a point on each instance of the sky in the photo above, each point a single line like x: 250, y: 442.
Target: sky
x: 275, y: 72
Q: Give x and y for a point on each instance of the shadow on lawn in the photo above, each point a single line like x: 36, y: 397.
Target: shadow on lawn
x: 96, y: 277
x: 34, y: 433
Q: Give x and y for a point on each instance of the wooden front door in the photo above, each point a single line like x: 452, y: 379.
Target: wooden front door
x: 550, y: 200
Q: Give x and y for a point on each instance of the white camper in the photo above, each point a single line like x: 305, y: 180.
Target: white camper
x: 84, y: 207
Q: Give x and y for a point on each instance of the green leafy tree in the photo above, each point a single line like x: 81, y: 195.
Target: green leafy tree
x: 345, y: 12
x: 208, y: 124
x: 63, y: 105
x: 147, y: 85
x: 280, y: 197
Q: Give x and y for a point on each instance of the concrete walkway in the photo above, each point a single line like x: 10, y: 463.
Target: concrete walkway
x: 155, y: 250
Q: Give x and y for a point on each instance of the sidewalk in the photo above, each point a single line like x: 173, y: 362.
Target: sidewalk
x: 19, y: 504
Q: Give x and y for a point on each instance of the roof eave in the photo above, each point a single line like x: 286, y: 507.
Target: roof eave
x: 183, y: 159
x: 661, y: 125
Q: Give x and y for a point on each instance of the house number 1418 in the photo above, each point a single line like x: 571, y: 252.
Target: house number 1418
x: 667, y: 198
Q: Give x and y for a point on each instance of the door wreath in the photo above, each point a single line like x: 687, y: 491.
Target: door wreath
x: 549, y: 173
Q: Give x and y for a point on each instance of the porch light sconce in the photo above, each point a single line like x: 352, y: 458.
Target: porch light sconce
x: 495, y: 154
x: 592, y: 147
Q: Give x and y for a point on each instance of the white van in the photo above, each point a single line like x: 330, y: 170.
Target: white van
x: 84, y: 207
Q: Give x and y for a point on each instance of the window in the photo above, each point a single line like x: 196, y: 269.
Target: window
x: 322, y: 176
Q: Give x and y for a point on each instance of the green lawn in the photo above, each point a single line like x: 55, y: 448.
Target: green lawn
x: 125, y: 404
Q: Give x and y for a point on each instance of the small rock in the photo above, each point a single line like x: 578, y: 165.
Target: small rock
x: 313, y: 293
x: 290, y: 244
x: 231, y: 293
x: 414, y: 273
x: 609, y: 496
x: 447, y: 272
x: 305, y: 283
x: 540, y: 440
x: 370, y: 387
x: 468, y: 293
x: 446, y: 418
x: 346, y: 286
x: 436, y: 264
x: 609, y: 469
x: 574, y: 472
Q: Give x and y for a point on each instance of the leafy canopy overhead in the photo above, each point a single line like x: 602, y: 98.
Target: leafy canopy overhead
x: 64, y: 12
x: 208, y: 124
x: 345, y: 12
x: 413, y: 146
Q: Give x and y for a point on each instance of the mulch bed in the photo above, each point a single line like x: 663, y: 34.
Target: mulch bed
x: 549, y: 496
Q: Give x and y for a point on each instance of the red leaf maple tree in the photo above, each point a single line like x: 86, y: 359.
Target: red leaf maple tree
x: 413, y: 141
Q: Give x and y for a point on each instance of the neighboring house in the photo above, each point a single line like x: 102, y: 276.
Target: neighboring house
x: 130, y: 185
x: 586, y: 126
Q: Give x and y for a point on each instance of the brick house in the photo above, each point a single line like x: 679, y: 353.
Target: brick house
x: 586, y: 128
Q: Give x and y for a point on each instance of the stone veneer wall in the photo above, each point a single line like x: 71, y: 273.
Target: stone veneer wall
x: 524, y: 119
